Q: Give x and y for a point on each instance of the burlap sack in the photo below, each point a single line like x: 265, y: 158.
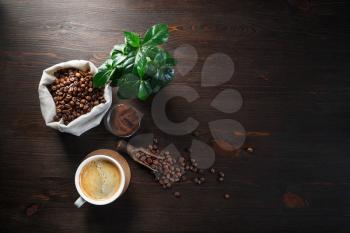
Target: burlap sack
x: 48, y: 108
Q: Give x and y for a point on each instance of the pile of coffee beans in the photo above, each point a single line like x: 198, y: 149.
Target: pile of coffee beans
x: 74, y: 94
x: 171, y: 169
x: 168, y: 170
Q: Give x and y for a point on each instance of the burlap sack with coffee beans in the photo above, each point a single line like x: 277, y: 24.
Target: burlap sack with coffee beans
x: 48, y: 107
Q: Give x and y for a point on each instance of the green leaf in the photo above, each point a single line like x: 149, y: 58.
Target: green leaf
x: 156, y: 35
x: 160, y: 58
x: 102, y: 76
x: 118, y: 58
x: 151, y: 51
x: 118, y: 48
x: 170, y: 61
x: 128, y: 86
x: 165, y: 74
x: 132, y: 39
x: 151, y: 70
x: 140, y: 64
x: 156, y: 85
x: 145, y: 90
x: 139, y: 67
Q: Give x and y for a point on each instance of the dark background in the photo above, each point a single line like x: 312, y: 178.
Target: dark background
x: 291, y: 67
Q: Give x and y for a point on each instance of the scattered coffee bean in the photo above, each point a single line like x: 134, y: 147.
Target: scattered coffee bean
x: 32, y: 209
x: 155, y: 141
x: 169, y: 170
x: 226, y: 196
x: 177, y: 194
x: 250, y: 149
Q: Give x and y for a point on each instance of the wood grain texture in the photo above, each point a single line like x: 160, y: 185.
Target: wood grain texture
x: 291, y: 67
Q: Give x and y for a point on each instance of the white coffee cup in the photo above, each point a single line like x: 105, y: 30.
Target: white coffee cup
x: 124, y: 181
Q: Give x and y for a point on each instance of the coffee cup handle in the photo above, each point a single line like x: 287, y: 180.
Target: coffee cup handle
x: 79, y: 202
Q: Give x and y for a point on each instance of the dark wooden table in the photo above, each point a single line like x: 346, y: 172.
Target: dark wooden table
x: 291, y: 67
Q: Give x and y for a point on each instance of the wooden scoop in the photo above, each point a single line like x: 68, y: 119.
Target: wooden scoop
x: 129, y: 149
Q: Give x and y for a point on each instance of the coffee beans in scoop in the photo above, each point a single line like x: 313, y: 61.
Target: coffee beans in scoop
x: 74, y: 94
x: 170, y: 169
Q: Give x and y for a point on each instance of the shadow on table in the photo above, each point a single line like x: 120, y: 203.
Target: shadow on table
x: 115, y: 217
x: 76, y: 148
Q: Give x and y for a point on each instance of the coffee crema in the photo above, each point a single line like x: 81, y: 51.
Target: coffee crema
x: 100, y: 179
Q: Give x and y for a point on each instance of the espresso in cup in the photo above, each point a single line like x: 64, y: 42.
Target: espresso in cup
x: 100, y: 179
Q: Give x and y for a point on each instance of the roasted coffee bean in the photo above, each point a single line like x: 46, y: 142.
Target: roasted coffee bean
x: 221, y: 174
x: 250, y: 149
x: 177, y: 194
x: 212, y: 170
x: 221, y: 179
x: 226, y: 196
x: 149, y: 160
x: 70, y: 93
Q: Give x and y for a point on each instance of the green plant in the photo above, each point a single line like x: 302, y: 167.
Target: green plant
x: 140, y: 66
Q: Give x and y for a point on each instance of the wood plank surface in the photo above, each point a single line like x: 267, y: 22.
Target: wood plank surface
x: 291, y: 67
